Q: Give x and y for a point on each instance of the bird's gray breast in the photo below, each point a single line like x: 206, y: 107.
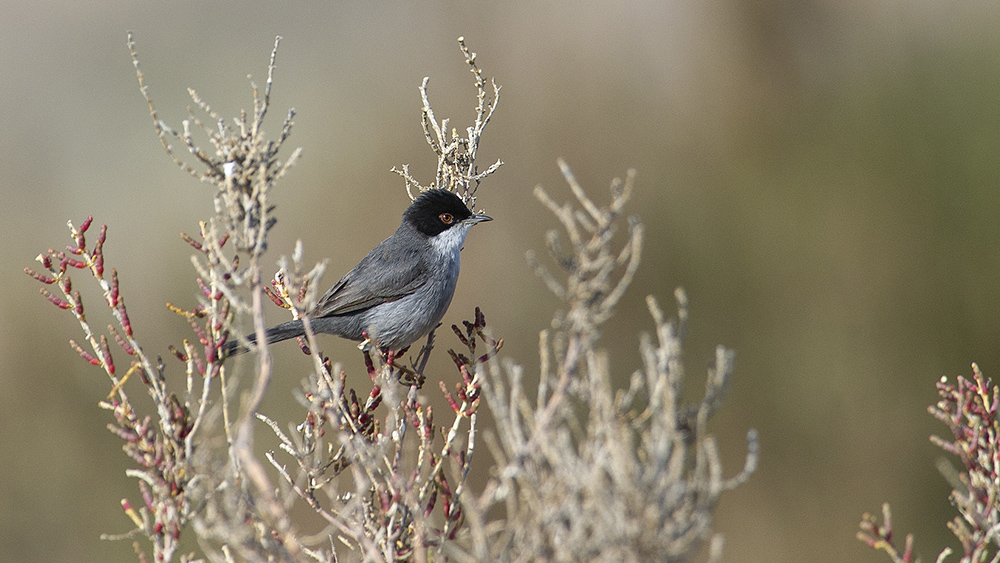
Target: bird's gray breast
x: 399, y: 323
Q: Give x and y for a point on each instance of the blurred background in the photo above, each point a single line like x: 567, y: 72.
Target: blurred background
x: 821, y: 176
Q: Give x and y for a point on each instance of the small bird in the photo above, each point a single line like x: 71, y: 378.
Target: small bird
x: 400, y: 291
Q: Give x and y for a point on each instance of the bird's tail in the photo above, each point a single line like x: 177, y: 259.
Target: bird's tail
x: 284, y: 331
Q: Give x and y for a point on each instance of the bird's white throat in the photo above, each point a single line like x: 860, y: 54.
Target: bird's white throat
x: 450, y: 242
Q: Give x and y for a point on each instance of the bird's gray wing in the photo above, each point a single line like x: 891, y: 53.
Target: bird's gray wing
x: 385, y: 275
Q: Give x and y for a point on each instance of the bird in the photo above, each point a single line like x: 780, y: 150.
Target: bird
x: 401, y: 290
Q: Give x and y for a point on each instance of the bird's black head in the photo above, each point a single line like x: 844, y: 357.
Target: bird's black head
x: 436, y: 211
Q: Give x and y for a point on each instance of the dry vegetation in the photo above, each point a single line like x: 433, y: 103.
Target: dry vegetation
x: 579, y: 469
x: 969, y: 408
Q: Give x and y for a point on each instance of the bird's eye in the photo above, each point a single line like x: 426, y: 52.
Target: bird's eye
x: 446, y: 218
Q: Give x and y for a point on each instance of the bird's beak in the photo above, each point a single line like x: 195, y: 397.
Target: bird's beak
x: 478, y: 219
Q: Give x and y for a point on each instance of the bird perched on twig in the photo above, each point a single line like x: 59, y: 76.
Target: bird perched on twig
x: 400, y: 291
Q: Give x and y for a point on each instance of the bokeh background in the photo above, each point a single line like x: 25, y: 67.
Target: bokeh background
x: 820, y: 175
